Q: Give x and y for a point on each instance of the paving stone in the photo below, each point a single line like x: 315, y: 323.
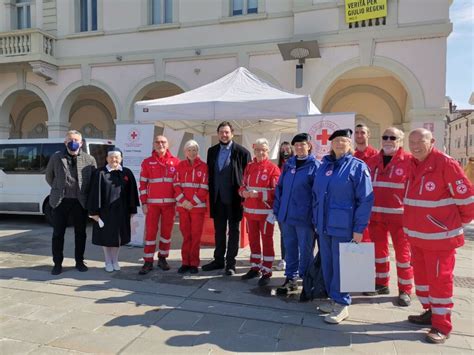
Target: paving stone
x: 177, y: 320
x: 260, y: 328
x: 213, y: 322
x: 10, y: 346
x: 47, y: 314
x: 51, y: 350
x: 14, y: 309
x: 83, y: 320
x: 91, y: 342
x: 31, y: 331
x: 365, y: 344
x: 156, y: 346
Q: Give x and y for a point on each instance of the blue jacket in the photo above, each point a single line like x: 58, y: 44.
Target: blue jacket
x: 293, y: 198
x: 342, y: 196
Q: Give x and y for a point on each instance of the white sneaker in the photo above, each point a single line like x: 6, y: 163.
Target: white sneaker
x: 109, y: 267
x: 281, y: 265
x: 116, y: 266
x: 338, y: 314
x: 326, y: 306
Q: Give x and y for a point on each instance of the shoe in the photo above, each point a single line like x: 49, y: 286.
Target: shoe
x: 116, y: 266
x: 163, y: 264
x: 434, y: 336
x: 193, y: 269
x: 251, y: 274
x: 338, y: 314
x: 326, y: 307
x: 421, y: 319
x: 109, y: 267
x: 229, y: 271
x: 281, y: 265
x: 57, y: 269
x: 264, y: 280
x: 379, y: 290
x: 81, y: 267
x: 213, y: 265
x: 146, y: 268
x: 183, y: 269
x: 288, y: 286
x: 404, y: 299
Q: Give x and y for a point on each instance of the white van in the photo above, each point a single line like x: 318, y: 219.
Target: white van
x: 23, y: 188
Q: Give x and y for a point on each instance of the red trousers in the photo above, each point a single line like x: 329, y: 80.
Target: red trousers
x: 261, y: 230
x: 153, y: 216
x: 379, y: 235
x: 191, y: 226
x: 434, y: 284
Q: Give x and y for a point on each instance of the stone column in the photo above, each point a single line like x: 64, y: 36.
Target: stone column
x: 432, y: 119
x: 57, y: 129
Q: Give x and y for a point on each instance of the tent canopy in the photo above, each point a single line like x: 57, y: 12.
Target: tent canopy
x: 240, y: 96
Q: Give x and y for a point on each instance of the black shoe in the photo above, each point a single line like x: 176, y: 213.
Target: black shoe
x: 213, y: 265
x: 57, y: 269
x: 379, y: 290
x: 421, y: 319
x: 229, y: 271
x: 251, y: 274
x: 288, y: 286
x: 264, y: 280
x: 81, y: 267
x: 146, y: 268
x: 404, y: 299
x: 193, y: 269
x: 163, y: 264
x: 183, y: 269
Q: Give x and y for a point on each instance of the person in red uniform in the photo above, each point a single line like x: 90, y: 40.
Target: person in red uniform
x: 439, y: 200
x: 158, y: 202
x: 363, y: 151
x: 191, y: 191
x: 389, y: 171
x: 258, y: 190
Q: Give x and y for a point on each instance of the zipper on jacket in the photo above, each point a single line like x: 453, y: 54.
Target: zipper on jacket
x: 398, y: 199
x: 408, y: 186
x: 451, y: 189
x: 421, y: 185
x: 436, y: 222
x: 391, y: 171
x: 376, y: 173
x: 437, y: 268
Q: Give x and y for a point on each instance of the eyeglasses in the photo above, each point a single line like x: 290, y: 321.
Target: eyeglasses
x: 392, y: 138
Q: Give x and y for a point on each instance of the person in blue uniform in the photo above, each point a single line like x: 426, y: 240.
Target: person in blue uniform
x: 342, y: 202
x: 292, y: 208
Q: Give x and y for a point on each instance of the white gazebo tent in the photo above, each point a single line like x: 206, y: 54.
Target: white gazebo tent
x: 254, y: 107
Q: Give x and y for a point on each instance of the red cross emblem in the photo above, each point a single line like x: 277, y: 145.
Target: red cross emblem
x: 462, y: 189
x: 323, y: 137
x: 430, y: 186
x: 134, y: 135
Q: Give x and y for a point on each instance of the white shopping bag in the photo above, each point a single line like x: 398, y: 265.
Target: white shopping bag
x: 357, y: 266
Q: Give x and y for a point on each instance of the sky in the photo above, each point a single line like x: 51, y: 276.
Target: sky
x: 460, y: 64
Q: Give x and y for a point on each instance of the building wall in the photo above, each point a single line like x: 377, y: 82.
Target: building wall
x: 126, y: 55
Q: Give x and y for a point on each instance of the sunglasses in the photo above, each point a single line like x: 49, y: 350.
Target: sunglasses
x: 392, y: 138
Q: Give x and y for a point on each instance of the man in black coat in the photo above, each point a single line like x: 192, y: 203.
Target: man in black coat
x: 226, y: 162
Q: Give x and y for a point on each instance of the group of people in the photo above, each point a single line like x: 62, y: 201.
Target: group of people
x: 421, y: 199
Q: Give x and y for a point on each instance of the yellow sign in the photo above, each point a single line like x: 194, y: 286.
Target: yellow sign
x: 358, y: 10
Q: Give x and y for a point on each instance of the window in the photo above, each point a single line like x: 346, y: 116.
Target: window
x: 88, y: 15
x: 21, y: 158
x: 244, y: 7
x: 470, y: 139
x: 23, y: 14
x: 161, y: 11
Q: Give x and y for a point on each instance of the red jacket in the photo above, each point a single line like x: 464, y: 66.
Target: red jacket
x: 389, y: 186
x: 263, y: 178
x: 191, y: 183
x: 156, y: 179
x: 439, y: 200
x: 368, y: 153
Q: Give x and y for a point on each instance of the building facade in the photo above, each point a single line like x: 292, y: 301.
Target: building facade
x: 460, y: 132
x: 81, y: 64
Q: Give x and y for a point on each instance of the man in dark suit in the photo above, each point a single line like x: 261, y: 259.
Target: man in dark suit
x: 69, y: 174
x: 226, y: 162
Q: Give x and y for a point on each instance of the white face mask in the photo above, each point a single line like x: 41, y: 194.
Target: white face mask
x: 389, y: 150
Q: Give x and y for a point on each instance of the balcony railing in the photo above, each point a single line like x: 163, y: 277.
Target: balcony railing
x: 27, y: 45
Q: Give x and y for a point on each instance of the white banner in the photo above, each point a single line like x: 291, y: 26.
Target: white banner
x: 320, y: 127
x: 136, y: 143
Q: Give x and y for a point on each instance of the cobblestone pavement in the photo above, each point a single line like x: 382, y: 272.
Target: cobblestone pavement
x: 122, y: 312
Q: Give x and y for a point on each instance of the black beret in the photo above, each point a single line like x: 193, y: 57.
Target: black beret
x: 114, y: 150
x: 301, y: 137
x: 347, y: 132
